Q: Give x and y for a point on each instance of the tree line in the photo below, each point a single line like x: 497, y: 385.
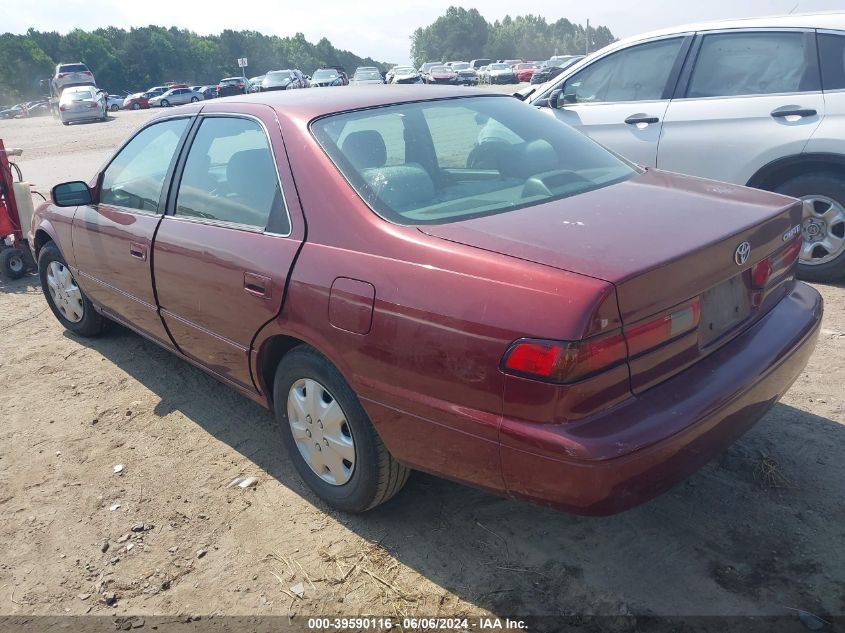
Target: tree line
x: 143, y: 57
x: 462, y: 34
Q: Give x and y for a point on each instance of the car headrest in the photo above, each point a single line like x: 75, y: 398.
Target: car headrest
x: 364, y: 149
x: 400, y: 187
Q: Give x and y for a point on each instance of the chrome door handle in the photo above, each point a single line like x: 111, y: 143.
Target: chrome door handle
x: 258, y: 285
x: 138, y: 251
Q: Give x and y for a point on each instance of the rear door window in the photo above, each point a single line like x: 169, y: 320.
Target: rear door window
x: 638, y: 73
x: 832, y: 57
x: 754, y: 63
x: 135, y: 178
x: 230, y: 176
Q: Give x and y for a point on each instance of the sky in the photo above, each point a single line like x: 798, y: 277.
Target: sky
x: 380, y: 29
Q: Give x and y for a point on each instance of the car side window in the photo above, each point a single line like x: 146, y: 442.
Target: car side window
x: 135, y: 178
x: 638, y: 73
x: 753, y: 63
x: 832, y: 57
x: 230, y: 176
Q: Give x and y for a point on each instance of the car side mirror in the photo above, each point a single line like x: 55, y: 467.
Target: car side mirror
x: 554, y: 99
x: 71, y: 194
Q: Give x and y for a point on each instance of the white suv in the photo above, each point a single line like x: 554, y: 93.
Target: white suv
x: 757, y: 102
x: 76, y: 74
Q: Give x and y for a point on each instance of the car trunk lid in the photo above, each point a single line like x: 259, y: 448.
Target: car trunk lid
x: 661, y: 239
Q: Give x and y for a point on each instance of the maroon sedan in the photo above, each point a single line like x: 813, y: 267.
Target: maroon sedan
x: 441, y: 75
x: 448, y: 282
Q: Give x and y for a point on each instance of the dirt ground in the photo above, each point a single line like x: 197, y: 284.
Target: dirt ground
x: 759, y: 531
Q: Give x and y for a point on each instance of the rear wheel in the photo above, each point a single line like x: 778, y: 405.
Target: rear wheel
x: 329, y: 437
x: 136, y: 106
x: 12, y: 263
x: 67, y: 301
x: 822, y: 255
x: 114, y: 107
x: 194, y: 99
x: 165, y: 103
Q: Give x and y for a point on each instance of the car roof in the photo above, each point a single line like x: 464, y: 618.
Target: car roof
x: 310, y: 104
x: 824, y: 20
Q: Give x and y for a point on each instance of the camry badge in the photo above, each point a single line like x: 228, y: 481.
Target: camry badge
x: 741, y: 253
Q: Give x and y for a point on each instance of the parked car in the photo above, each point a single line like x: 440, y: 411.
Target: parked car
x: 478, y: 63
x: 208, y: 92
x: 325, y: 77
x: 138, y: 100
x: 428, y: 66
x: 82, y: 103
x: 553, y: 67
x: 231, y: 86
x: 366, y: 76
x: 283, y: 80
x: 440, y: 75
x: 159, y: 90
x: 115, y: 102
x: 40, y: 108
x: 502, y: 315
x: 177, y: 96
x: 11, y: 112
x: 466, y: 73
x: 254, y: 84
x: 75, y: 74
x: 406, y: 75
x: 760, y: 105
x: 501, y: 73
x: 525, y: 71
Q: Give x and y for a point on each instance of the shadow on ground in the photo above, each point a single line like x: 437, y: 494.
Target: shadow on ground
x: 758, y: 531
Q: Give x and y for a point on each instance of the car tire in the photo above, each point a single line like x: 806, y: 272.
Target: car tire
x: 194, y: 99
x: 375, y: 475
x: 91, y: 323
x: 114, y: 107
x: 12, y: 263
x: 136, y: 106
x: 65, y: 123
x: 826, y: 192
x: 165, y: 103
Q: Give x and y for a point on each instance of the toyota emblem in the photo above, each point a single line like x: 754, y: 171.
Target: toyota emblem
x: 741, y: 253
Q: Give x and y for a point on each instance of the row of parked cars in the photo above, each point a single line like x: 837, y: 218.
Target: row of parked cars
x: 483, y: 71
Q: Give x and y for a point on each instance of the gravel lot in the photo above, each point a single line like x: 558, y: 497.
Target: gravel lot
x: 759, y: 531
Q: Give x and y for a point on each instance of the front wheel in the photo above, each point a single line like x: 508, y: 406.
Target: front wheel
x: 194, y: 99
x: 136, y: 106
x: 328, y: 436
x: 822, y: 255
x: 67, y: 301
x: 114, y: 107
x: 165, y: 103
x: 12, y: 263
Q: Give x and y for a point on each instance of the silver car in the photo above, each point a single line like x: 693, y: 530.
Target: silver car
x: 76, y: 74
x: 176, y: 96
x: 82, y: 103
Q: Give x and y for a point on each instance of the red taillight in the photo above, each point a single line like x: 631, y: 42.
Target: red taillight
x: 60, y: 75
x: 94, y: 105
x: 88, y: 72
x: 62, y: 108
x: 564, y: 361
x: 772, y: 267
x: 663, y: 328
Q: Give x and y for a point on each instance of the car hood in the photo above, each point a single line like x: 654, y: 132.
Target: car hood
x: 657, y: 230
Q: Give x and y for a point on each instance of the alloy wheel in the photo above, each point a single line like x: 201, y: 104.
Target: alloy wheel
x: 321, y: 432
x: 65, y: 293
x: 823, y: 230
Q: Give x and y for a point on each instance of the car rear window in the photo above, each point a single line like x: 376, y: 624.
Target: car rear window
x: 76, y: 95
x: 490, y: 155
x: 73, y: 68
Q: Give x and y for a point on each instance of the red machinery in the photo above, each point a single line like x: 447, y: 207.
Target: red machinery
x: 15, y: 216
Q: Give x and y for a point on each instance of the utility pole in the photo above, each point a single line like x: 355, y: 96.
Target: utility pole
x: 587, y: 38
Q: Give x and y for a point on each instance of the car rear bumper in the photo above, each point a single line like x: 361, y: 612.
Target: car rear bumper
x: 644, y: 446
x: 82, y: 115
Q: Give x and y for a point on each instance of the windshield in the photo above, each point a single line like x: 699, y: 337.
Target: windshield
x: 499, y: 67
x: 367, y: 74
x: 439, y: 69
x: 462, y: 66
x: 324, y: 75
x: 73, y: 68
x: 404, y: 70
x: 279, y: 75
x: 490, y: 155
